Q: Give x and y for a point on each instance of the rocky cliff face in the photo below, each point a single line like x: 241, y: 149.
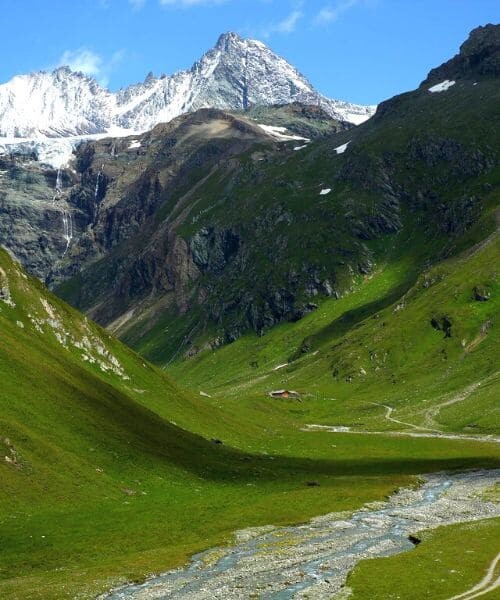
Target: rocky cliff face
x: 37, y: 224
x: 479, y: 56
x: 56, y: 221
x: 236, y: 74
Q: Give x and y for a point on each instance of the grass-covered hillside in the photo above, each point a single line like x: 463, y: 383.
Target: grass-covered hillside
x: 102, y: 479
x: 425, y: 345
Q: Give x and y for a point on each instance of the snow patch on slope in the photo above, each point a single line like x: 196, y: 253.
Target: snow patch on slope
x: 281, y: 133
x: 341, y: 149
x: 441, y: 87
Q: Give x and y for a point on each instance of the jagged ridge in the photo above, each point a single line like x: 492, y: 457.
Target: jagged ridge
x: 235, y: 74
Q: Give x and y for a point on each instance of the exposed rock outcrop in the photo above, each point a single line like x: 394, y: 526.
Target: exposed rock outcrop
x: 479, y: 56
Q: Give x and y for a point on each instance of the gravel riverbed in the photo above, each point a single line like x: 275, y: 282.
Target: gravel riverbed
x: 313, y: 560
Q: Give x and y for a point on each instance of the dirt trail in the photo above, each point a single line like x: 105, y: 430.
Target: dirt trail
x: 416, y: 434
x: 486, y: 585
x: 432, y: 412
x: 389, y: 417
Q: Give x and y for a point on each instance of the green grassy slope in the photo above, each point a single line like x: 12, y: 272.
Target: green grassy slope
x: 99, y: 484
x: 377, y: 346
x: 457, y: 556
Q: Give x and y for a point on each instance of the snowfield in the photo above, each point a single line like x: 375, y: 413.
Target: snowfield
x: 55, y: 152
x: 281, y: 134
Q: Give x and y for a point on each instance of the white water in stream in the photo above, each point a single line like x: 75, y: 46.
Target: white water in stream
x: 59, y: 183
x: 313, y: 560
x: 67, y: 228
x: 58, y: 188
x: 98, y: 181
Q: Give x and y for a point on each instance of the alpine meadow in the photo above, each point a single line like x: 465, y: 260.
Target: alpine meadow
x: 249, y: 336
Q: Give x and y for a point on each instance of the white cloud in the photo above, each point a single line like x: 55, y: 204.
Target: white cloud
x: 137, y: 4
x: 188, y: 3
x: 329, y: 14
x: 82, y: 60
x: 88, y: 62
x: 287, y: 25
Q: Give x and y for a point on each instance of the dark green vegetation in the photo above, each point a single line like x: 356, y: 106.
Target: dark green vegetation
x: 356, y: 354
x: 377, y: 302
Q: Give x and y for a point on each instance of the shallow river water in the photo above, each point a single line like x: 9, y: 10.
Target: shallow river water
x: 313, y: 560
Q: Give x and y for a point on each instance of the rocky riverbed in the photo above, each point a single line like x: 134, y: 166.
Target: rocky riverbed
x: 313, y: 560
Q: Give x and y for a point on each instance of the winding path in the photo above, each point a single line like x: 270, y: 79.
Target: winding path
x: 432, y: 412
x: 415, y: 434
x: 389, y: 417
x: 486, y: 585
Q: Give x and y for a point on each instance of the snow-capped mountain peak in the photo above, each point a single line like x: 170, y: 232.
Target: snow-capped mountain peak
x: 235, y: 74
x: 53, y: 104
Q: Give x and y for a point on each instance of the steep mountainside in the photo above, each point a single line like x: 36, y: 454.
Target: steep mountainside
x: 54, y: 361
x: 425, y: 361
x: 257, y: 240
x: 215, y: 224
x: 236, y: 74
x: 57, y: 221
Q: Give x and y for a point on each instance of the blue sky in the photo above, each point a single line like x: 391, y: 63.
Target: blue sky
x: 358, y: 50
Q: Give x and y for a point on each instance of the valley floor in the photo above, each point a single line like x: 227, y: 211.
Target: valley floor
x: 116, y: 479
x: 313, y: 560
x: 78, y: 551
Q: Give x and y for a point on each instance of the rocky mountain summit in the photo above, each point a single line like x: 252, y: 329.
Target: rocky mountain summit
x: 234, y: 75
x: 479, y: 56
